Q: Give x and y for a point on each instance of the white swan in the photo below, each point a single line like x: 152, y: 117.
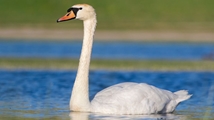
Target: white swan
x: 124, y: 98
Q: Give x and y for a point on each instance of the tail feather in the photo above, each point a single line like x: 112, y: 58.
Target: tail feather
x: 182, y: 95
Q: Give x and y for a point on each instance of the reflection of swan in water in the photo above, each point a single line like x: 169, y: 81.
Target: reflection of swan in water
x: 79, y: 116
x: 95, y: 116
x: 124, y: 98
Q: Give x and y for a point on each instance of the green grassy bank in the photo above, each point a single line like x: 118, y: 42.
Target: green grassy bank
x: 188, y: 15
x: 157, y: 65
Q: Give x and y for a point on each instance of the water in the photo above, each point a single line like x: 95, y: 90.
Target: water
x: 45, y: 94
x: 109, y: 50
x: 38, y: 94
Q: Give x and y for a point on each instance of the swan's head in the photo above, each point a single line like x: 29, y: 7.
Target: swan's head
x: 79, y: 11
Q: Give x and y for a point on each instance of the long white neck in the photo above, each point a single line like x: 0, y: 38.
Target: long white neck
x: 80, y: 93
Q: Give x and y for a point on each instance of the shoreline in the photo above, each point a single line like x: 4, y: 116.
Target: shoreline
x: 105, y: 35
x: 105, y: 64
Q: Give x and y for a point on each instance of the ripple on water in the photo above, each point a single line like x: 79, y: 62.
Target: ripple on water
x: 45, y: 94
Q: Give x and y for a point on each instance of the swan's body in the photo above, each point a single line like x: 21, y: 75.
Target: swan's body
x: 124, y: 98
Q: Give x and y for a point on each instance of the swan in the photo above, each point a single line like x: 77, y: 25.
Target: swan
x: 123, y: 98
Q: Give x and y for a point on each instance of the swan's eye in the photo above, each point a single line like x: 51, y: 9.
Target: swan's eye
x: 80, y: 8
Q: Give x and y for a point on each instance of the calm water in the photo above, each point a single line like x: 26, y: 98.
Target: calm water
x: 37, y: 94
x: 110, y: 50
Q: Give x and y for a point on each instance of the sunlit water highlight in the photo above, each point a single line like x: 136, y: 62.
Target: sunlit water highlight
x: 38, y: 94
x: 109, y: 50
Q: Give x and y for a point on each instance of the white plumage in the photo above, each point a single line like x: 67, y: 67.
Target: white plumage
x: 136, y: 98
x: 124, y: 98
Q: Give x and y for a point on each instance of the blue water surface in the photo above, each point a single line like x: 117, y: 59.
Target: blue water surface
x: 45, y: 94
x: 107, y: 50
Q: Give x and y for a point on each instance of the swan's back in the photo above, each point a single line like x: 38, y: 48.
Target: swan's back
x: 136, y: 98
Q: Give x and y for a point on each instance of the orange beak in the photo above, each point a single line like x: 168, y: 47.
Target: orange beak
x: 69, y: 16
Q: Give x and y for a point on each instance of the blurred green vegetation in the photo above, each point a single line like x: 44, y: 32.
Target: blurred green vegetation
x: 157, y: 65
x: 187, y: 15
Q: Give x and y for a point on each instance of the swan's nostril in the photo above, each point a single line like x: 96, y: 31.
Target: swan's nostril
x: 68, y: 14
